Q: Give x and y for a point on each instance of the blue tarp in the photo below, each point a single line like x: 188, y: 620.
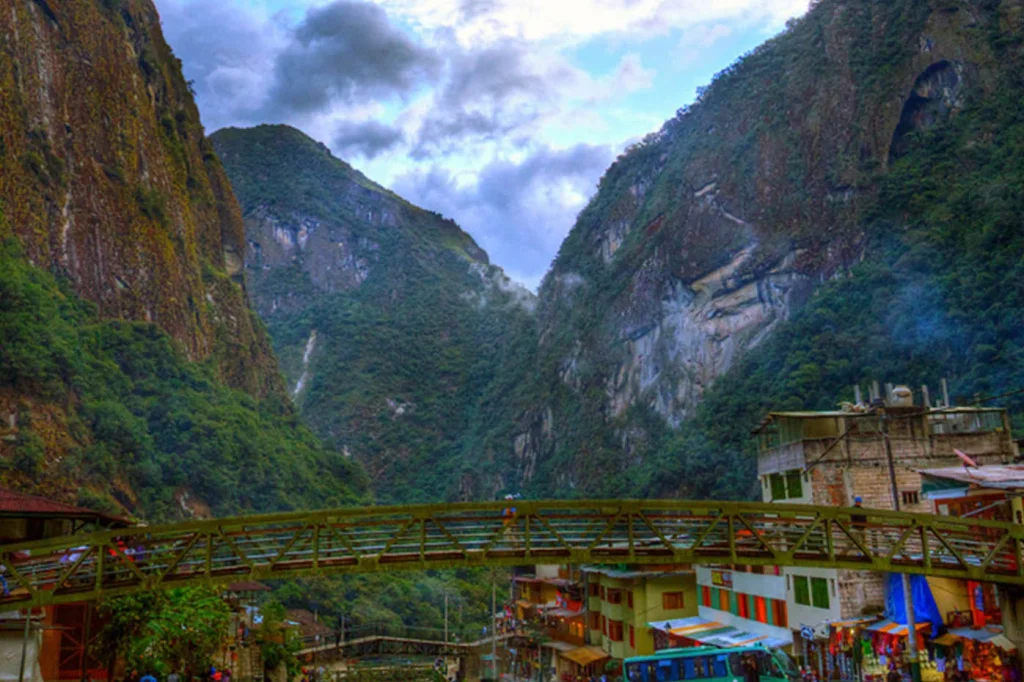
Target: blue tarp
x: 925, y: 608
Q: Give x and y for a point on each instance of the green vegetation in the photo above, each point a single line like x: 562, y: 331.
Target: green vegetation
x: 138, y: 410
x: 160, y: 633
x: 277, y: 643
x: 942, y: 295
x: 402, y: 357
x: 939, y: 294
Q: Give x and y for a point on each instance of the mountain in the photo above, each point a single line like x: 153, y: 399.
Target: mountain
x: 841, y: 204
x: 389, y: 320
x: 133, y: 374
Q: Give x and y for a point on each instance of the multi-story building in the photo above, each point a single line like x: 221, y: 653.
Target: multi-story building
x: 830, y: 458
x: 56, y: 642
x: 622, y: 603
x: 550, y: 611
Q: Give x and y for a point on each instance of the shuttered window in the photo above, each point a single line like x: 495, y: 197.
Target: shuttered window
x: 801, y: 590
x: 794, y: 484
x: 819, y: 592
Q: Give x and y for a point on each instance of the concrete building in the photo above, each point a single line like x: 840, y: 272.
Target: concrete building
x: 831, y: 457
x: 622, y: 603
x: 55, y: 644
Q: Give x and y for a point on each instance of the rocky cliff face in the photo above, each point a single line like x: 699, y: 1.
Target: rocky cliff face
x: 106, y: 177
x: 709, y: 234
x: 133, y: 374
x: 389, y: 319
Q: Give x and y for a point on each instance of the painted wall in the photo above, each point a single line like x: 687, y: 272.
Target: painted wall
x: 800, y: 614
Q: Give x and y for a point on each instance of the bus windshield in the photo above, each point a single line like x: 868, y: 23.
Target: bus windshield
x: 751, y: 665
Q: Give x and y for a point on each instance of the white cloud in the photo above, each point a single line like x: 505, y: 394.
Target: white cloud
x: 477, y: 22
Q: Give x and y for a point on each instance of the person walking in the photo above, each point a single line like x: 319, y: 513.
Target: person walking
x: 148, y: 677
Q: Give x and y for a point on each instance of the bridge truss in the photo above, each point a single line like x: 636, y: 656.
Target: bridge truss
x: 374, y: 539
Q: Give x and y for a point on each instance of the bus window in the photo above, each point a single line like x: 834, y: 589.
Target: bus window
x: 719, y: 667
x: 668, y: 670
x: 736, y: 665
x: 766, y: 665
x: 635, y: 673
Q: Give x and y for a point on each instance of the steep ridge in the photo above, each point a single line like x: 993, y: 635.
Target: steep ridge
x: 786, y: 193
x: 390, y: 322
x: 133, y: 373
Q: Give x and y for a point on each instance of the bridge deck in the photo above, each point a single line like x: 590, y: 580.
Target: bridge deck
x: 373, y: 539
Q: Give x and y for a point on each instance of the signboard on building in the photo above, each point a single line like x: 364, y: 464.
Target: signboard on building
x: 721, y: 578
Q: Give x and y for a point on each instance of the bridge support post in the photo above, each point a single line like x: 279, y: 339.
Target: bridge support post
x: 1011, y: 604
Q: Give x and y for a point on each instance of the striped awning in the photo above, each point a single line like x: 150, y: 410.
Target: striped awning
x: 712, y: 632
x: 890, y: 628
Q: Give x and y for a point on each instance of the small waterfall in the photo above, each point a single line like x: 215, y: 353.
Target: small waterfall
x: 310, y: 347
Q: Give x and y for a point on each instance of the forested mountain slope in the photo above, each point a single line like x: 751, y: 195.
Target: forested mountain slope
x: 389, y: 320
x: 133, y: 373
x: 842, y: 204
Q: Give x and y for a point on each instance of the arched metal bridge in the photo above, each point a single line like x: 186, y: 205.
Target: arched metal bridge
x: 374, y: 539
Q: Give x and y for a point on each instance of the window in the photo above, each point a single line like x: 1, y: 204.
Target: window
x: 604, y: 625
x: 615, y: 630
x: 604, y: 592
x: 672, y: 600
x: 614, y: 596
x: 787, y: 485
x: 705, y: 596
x: 819, y: 592
x: 595, y: 621
x: 594, y: 589
x: 629, y: 599
x: 632, y: 637
x: 723, y: 600
x: 911, y: 497
x: 801, y: 590
x: 794, y: 484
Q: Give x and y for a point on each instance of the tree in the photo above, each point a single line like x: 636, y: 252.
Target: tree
x: 175, y: 631
x: 277, y: 643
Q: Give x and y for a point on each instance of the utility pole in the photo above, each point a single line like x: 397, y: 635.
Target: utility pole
x: 494, y: 629
x: 24, y: 646
x: 908, y: 598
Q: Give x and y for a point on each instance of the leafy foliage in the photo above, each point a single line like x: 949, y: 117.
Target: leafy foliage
x: 163, y: 632
x: 403, y: 356
x: 139, y: 409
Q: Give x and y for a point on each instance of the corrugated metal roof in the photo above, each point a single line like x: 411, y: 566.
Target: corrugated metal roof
x: 13, y: 503
x: 1001, y: 476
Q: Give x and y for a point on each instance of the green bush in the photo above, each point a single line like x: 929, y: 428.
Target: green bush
x: 30, y: 453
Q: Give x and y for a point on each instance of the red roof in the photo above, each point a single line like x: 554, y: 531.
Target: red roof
x: 13, y: 503
x: 308, y: 624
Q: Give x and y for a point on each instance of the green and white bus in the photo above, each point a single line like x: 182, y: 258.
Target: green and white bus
x: 712, y: 664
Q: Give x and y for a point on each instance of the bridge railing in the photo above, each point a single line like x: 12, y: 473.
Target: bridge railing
x: 477, y: 534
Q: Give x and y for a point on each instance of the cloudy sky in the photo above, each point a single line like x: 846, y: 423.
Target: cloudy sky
x: 502, y: 114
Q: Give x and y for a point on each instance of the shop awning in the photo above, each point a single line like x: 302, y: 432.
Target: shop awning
x: 558, y: 646
x: 564, y: 613
x: 851, y: 623
x: 585, y: 655
x: 948, y: 639
x: 1003, y: 642
x: 898, y: 629
x: 714, y: 633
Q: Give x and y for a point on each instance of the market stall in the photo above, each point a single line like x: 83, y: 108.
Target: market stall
x: 885, y: 643
x: 985, y: 654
